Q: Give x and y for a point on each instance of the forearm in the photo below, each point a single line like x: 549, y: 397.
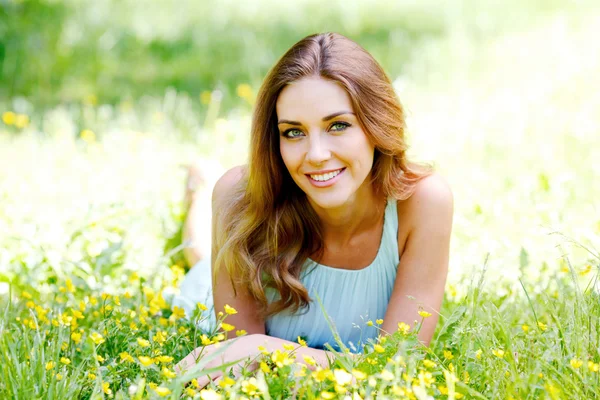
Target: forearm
x: 323, y: 358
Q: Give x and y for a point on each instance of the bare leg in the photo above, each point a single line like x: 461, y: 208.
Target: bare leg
x: 195, y: 180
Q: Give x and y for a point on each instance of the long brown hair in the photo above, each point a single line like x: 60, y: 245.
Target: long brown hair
x: 268, y: 228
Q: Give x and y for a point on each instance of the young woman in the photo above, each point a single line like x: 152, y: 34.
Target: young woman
x: 328, y: 215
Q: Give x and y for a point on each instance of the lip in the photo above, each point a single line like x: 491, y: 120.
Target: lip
x: 328, y: 183
x: 325, y: 171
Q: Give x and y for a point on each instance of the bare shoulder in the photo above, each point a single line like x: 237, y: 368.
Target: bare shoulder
x: 433, y: 191
x: 432, y: 203
x: 226, y: 183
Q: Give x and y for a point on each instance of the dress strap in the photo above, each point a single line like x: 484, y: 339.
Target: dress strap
x: 390, y: 234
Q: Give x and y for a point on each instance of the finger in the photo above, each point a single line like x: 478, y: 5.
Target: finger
x: 204, y: 380
x: 188, y: 361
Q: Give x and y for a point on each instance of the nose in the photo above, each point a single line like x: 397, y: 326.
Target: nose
x: 318, y: 150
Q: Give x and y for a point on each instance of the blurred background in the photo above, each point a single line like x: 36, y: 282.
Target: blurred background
x: 101, y: 101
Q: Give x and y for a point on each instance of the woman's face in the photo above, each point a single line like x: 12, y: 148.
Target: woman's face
x: 322, y: 145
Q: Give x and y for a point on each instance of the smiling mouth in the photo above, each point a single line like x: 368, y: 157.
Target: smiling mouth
x: 326, y: 177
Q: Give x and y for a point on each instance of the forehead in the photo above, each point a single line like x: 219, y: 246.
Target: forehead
x: 312, y: 97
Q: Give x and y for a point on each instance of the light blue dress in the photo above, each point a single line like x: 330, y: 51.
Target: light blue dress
x: 349, y: 297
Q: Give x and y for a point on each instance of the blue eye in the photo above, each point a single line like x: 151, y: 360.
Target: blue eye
x: 290, y: 133
x: 341, y: 126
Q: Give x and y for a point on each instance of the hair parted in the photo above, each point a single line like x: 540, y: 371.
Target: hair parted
x: 268, y: 227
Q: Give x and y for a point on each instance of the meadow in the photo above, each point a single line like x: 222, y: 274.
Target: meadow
x: 91, y: 210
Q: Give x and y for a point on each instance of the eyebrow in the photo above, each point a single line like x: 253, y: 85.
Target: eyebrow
x: 324, y: 119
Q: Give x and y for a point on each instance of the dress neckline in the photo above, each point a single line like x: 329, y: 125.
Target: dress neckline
x: 377, y: 256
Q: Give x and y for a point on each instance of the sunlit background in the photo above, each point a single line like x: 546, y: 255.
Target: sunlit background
x: 102, y: 100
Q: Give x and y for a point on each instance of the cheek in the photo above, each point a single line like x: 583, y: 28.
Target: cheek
x: 287, y: 156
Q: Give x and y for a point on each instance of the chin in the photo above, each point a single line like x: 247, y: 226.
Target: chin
x: 329, y: 200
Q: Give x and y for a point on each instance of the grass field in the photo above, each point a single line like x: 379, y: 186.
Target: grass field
x: 89, y: 226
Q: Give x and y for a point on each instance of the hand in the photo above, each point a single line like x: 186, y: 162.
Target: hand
x: 244, y: 348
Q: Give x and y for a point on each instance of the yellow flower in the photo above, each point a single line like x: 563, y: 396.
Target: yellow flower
x: 288, y: 347
x: 97, y: 338
x: 244, y: 91
x: 164, y: 359
x: 359, y: 375
x: 264, y: 367
x: 369, y: 323
x: 209, y: 394
x: 448, y: 355
x: 205, y: 340
x: 429, y: 364
x: 342, y: 377
x: 387, y: 375
x: 241, y: 332
x: 525, y: 328
x: 281, y: 359
x: 424, y: 314
x: 250, y: 387
x: 201, y: 307
x: 146, y: 361
x: 205, y: 97
x: 168, y: 373
x: 143, y: 342
x: 190, y: 392
x: 301, y: 342
x: 65, y: 360
x: 585, y: 271
x: 88, y: 136
x: 478, y: 354
x: 160, y: 337
x: 230, y: 310
x: 225, y: 382
x: 593, y: 367
x: 126, y: 357
x: 50, y: 365
x: 106, y: 388
x: 300, y: 373
x: 91, y: 376
x: 100, y: 358
x: 466, y: 377
x: 21, y: 121
x: 378, y: 348
x: 403, y: 327
x: 58, y: 377
x: 576, y: 363
x: 178, y: 313
x: 379, y: 321
x: 227, y: 327
x: 162, y: 391
x: 498, y: 353
x: 309, y: 360
x: 542, y: 326
x: 9, y: 118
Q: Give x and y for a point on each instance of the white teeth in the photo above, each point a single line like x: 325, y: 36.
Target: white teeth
x: 326, y: 177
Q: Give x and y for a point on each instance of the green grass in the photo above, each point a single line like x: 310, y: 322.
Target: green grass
x: 511, y: 121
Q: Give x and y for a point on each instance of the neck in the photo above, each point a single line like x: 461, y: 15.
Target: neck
x: 361, y: 213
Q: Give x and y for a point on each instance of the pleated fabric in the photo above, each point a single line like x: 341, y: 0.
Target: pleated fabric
x: 349, y: 298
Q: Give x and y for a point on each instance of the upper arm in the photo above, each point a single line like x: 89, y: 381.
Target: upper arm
x: 423, y: 266
x: 247, y: 317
